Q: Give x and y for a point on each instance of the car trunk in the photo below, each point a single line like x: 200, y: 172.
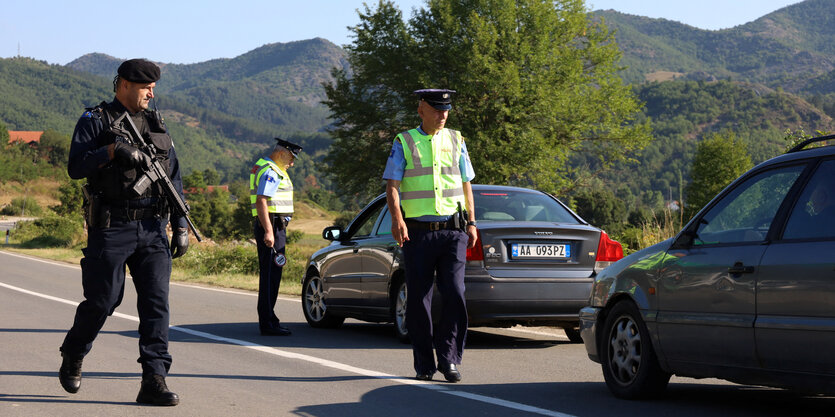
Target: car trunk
x: 538, y: 250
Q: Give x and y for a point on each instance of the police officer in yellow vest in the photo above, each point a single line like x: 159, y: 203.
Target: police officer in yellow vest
x: 271, y: 197
x: 428, y: 176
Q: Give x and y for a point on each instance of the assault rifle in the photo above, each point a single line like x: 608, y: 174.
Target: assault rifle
x: 153, y: 172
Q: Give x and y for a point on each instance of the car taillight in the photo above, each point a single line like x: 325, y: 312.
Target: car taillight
x: 476, y: 253
x: 608, y: 252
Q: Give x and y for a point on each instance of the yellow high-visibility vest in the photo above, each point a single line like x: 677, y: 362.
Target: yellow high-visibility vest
x: 282, y: 201
x: 431, y: 183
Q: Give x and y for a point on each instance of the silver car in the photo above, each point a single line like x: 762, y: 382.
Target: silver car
x: 533, y: 264
x: 745, y: 292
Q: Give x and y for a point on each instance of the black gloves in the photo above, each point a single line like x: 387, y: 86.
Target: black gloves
x: 179, y: 242
x: 129, y: 155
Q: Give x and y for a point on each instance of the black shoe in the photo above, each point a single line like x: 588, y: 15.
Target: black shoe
x: 154, y: 391
x: 450, y: 372
x: 275, y: 331
x: 424, y: 377
x: 70, y: 373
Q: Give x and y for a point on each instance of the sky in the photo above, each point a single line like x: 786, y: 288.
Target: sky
x: 191, y: 31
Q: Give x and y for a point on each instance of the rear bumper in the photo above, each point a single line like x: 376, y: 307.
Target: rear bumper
x: 535, y: 302
x: 588, y: 331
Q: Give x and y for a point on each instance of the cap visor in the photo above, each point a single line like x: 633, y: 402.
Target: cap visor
x: 441, y: 106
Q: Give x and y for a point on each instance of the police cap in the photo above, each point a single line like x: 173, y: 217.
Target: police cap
x: 440, y: 99
x: 292, y: 147
x: 139, y: 71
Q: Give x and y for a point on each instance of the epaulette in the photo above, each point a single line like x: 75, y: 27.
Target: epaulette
x: 90, y: 112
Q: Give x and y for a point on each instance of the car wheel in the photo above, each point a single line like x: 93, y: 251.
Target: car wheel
x: 630, y: 366
x: 314, y: 305
x: 399, y: 311
x: 573, y: 333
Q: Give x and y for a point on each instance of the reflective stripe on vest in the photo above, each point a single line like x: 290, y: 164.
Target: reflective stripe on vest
x: 282, y: 200
x: 431, y: 183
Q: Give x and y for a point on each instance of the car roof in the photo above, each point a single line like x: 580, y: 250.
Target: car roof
x: 809, y: 153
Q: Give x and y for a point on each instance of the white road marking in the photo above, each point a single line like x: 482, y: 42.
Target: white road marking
x: 323, y: 362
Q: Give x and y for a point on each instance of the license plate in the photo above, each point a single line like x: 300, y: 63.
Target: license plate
x: 542, y: 251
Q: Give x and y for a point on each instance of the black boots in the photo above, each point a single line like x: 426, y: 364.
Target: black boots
x: 155, y: 392
x: 70, y: 373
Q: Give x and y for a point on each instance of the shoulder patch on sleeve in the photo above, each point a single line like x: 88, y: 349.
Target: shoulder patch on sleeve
x: 87, y: 115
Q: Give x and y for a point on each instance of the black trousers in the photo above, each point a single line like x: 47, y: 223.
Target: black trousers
x: 427, y: 254
x: 143, y: 246
x: 270, y: 272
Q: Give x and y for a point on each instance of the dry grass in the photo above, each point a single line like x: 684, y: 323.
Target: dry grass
x: 660, y: 229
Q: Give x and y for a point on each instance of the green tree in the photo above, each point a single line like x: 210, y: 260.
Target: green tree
x: 70, y: 196
x: 54, y: 147
x: 536, y: 80
x: 719, y: 159
x: 4, y: 134
x: 211, y: 177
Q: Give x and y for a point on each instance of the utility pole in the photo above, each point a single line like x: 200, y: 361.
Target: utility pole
x: 23, y: 183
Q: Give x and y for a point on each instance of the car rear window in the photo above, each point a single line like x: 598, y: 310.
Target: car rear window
x: 519, y: 206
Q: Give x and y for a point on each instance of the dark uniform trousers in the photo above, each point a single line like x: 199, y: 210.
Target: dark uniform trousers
x: 425, y: 254
x: 270, y: 273
x: 143, y: 246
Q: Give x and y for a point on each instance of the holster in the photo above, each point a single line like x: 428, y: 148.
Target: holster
x: 95, y: 213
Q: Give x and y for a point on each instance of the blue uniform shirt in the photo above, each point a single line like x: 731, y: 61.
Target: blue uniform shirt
x: 396, y: 166
x: 268, y: 181
x: 87, y: 155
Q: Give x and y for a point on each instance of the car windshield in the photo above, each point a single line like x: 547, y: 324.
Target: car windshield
x: 519, y: 206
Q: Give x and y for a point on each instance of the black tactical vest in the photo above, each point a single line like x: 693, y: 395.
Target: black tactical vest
x: 114, y: 181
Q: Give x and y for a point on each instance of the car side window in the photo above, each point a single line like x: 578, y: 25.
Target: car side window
x: 385, y: 224
x: 745, y: 214
x: 364, y: 229
x: 813, y: 216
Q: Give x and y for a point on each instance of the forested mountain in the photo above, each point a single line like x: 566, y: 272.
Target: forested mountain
x: 276, y: 84
x: 792, y: 48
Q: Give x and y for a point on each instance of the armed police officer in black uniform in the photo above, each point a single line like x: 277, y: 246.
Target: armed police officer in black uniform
x: 125, y: 229
x: 428, y: 176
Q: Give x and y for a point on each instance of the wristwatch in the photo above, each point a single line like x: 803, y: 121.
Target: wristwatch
x: 471, y: 223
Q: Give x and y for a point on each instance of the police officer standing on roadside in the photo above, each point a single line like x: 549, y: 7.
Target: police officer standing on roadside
x: 271, y: 197
x: 125, y: 229
x: 428, y: 176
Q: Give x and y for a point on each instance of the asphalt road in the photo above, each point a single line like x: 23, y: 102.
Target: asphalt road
x: 222, y: 366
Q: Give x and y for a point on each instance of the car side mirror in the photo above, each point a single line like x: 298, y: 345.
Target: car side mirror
x: 332, y: 233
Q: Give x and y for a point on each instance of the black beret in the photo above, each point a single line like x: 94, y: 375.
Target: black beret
x: 139, y: 71
x: 292, y: 147
x: 440, y: 99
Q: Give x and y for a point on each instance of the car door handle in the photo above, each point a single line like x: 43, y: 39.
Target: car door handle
x: 739, y: 268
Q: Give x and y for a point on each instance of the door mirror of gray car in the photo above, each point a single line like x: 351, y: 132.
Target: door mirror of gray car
x: 332, y: 233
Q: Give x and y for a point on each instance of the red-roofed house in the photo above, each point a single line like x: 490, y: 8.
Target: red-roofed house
x: 25, y: 137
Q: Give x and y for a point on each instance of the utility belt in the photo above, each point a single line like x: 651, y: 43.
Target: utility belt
x: 453, y: 223
x: 278, y: 220
x: 99, y: 213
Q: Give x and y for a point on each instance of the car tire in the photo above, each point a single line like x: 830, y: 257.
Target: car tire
x: 630, y: 366
x: 398, y: 310
x: 573, y: 334
x: 314, y: 304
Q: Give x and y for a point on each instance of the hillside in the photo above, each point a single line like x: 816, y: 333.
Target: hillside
x: 277, y: 84
x: 791, y: 48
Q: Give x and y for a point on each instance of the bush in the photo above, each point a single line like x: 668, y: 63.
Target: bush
x: 221, y: 259
x: 294, y: 236
x: 28, y: 207
x: 50, y: 232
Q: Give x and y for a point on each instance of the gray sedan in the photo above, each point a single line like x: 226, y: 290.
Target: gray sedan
x: 745, y: 292
x: 533, y: 264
